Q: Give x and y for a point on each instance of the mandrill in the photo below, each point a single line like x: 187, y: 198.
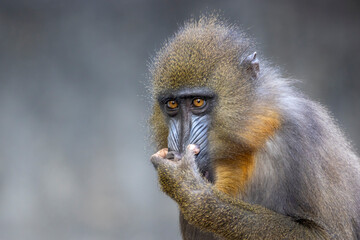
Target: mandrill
x: 244, y: 154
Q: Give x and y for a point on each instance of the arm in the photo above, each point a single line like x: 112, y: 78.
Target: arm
x: 210, y: 209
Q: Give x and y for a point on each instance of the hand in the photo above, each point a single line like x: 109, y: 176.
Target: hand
x: 179, y: 176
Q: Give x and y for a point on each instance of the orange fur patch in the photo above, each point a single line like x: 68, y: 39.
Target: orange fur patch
x: 233, y: 174
x: 260, y: 128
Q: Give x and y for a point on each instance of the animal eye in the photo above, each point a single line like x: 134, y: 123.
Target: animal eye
x: 172, y: 104
x: 198, y: 102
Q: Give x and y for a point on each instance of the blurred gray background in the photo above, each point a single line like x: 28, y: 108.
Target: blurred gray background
x: 74, y: 148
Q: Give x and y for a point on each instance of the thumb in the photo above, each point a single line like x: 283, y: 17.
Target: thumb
x: 159, y: 157
x: 190, y: 152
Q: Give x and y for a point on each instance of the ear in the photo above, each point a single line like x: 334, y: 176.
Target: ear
x: 251, y: 66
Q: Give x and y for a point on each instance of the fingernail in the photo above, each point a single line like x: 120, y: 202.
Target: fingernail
x: 162, y: 153
x: 194, y: 148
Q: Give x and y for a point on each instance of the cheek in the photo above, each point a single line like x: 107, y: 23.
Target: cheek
x: 217, y: 145
x: 222, y: 145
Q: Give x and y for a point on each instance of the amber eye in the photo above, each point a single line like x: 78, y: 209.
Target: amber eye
x: 198, y: 102
x: 172, y: 104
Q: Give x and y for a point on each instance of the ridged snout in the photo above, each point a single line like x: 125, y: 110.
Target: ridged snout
x: 190, y: 130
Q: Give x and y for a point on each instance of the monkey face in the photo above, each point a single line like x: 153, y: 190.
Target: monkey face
x: 188, y: 114
x: 204, y: 66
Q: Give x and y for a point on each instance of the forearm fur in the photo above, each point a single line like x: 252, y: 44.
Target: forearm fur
x: 230, y: 218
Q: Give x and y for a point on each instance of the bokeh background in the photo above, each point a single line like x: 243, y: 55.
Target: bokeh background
x: 74, y: 143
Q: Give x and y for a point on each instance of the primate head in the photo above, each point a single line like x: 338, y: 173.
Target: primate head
x: 206, y: 89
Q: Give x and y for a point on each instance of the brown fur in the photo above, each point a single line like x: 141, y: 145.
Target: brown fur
x: 204, y: 54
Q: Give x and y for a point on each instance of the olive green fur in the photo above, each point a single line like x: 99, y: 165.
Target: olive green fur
x: 208, y: 53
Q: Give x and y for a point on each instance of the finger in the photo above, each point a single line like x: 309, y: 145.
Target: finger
x: 189, y: 160
x: 162, y: 153
x: 156, y: 161
x: 194, y: 149
x: 190, y: 152
x: 159, y: 157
